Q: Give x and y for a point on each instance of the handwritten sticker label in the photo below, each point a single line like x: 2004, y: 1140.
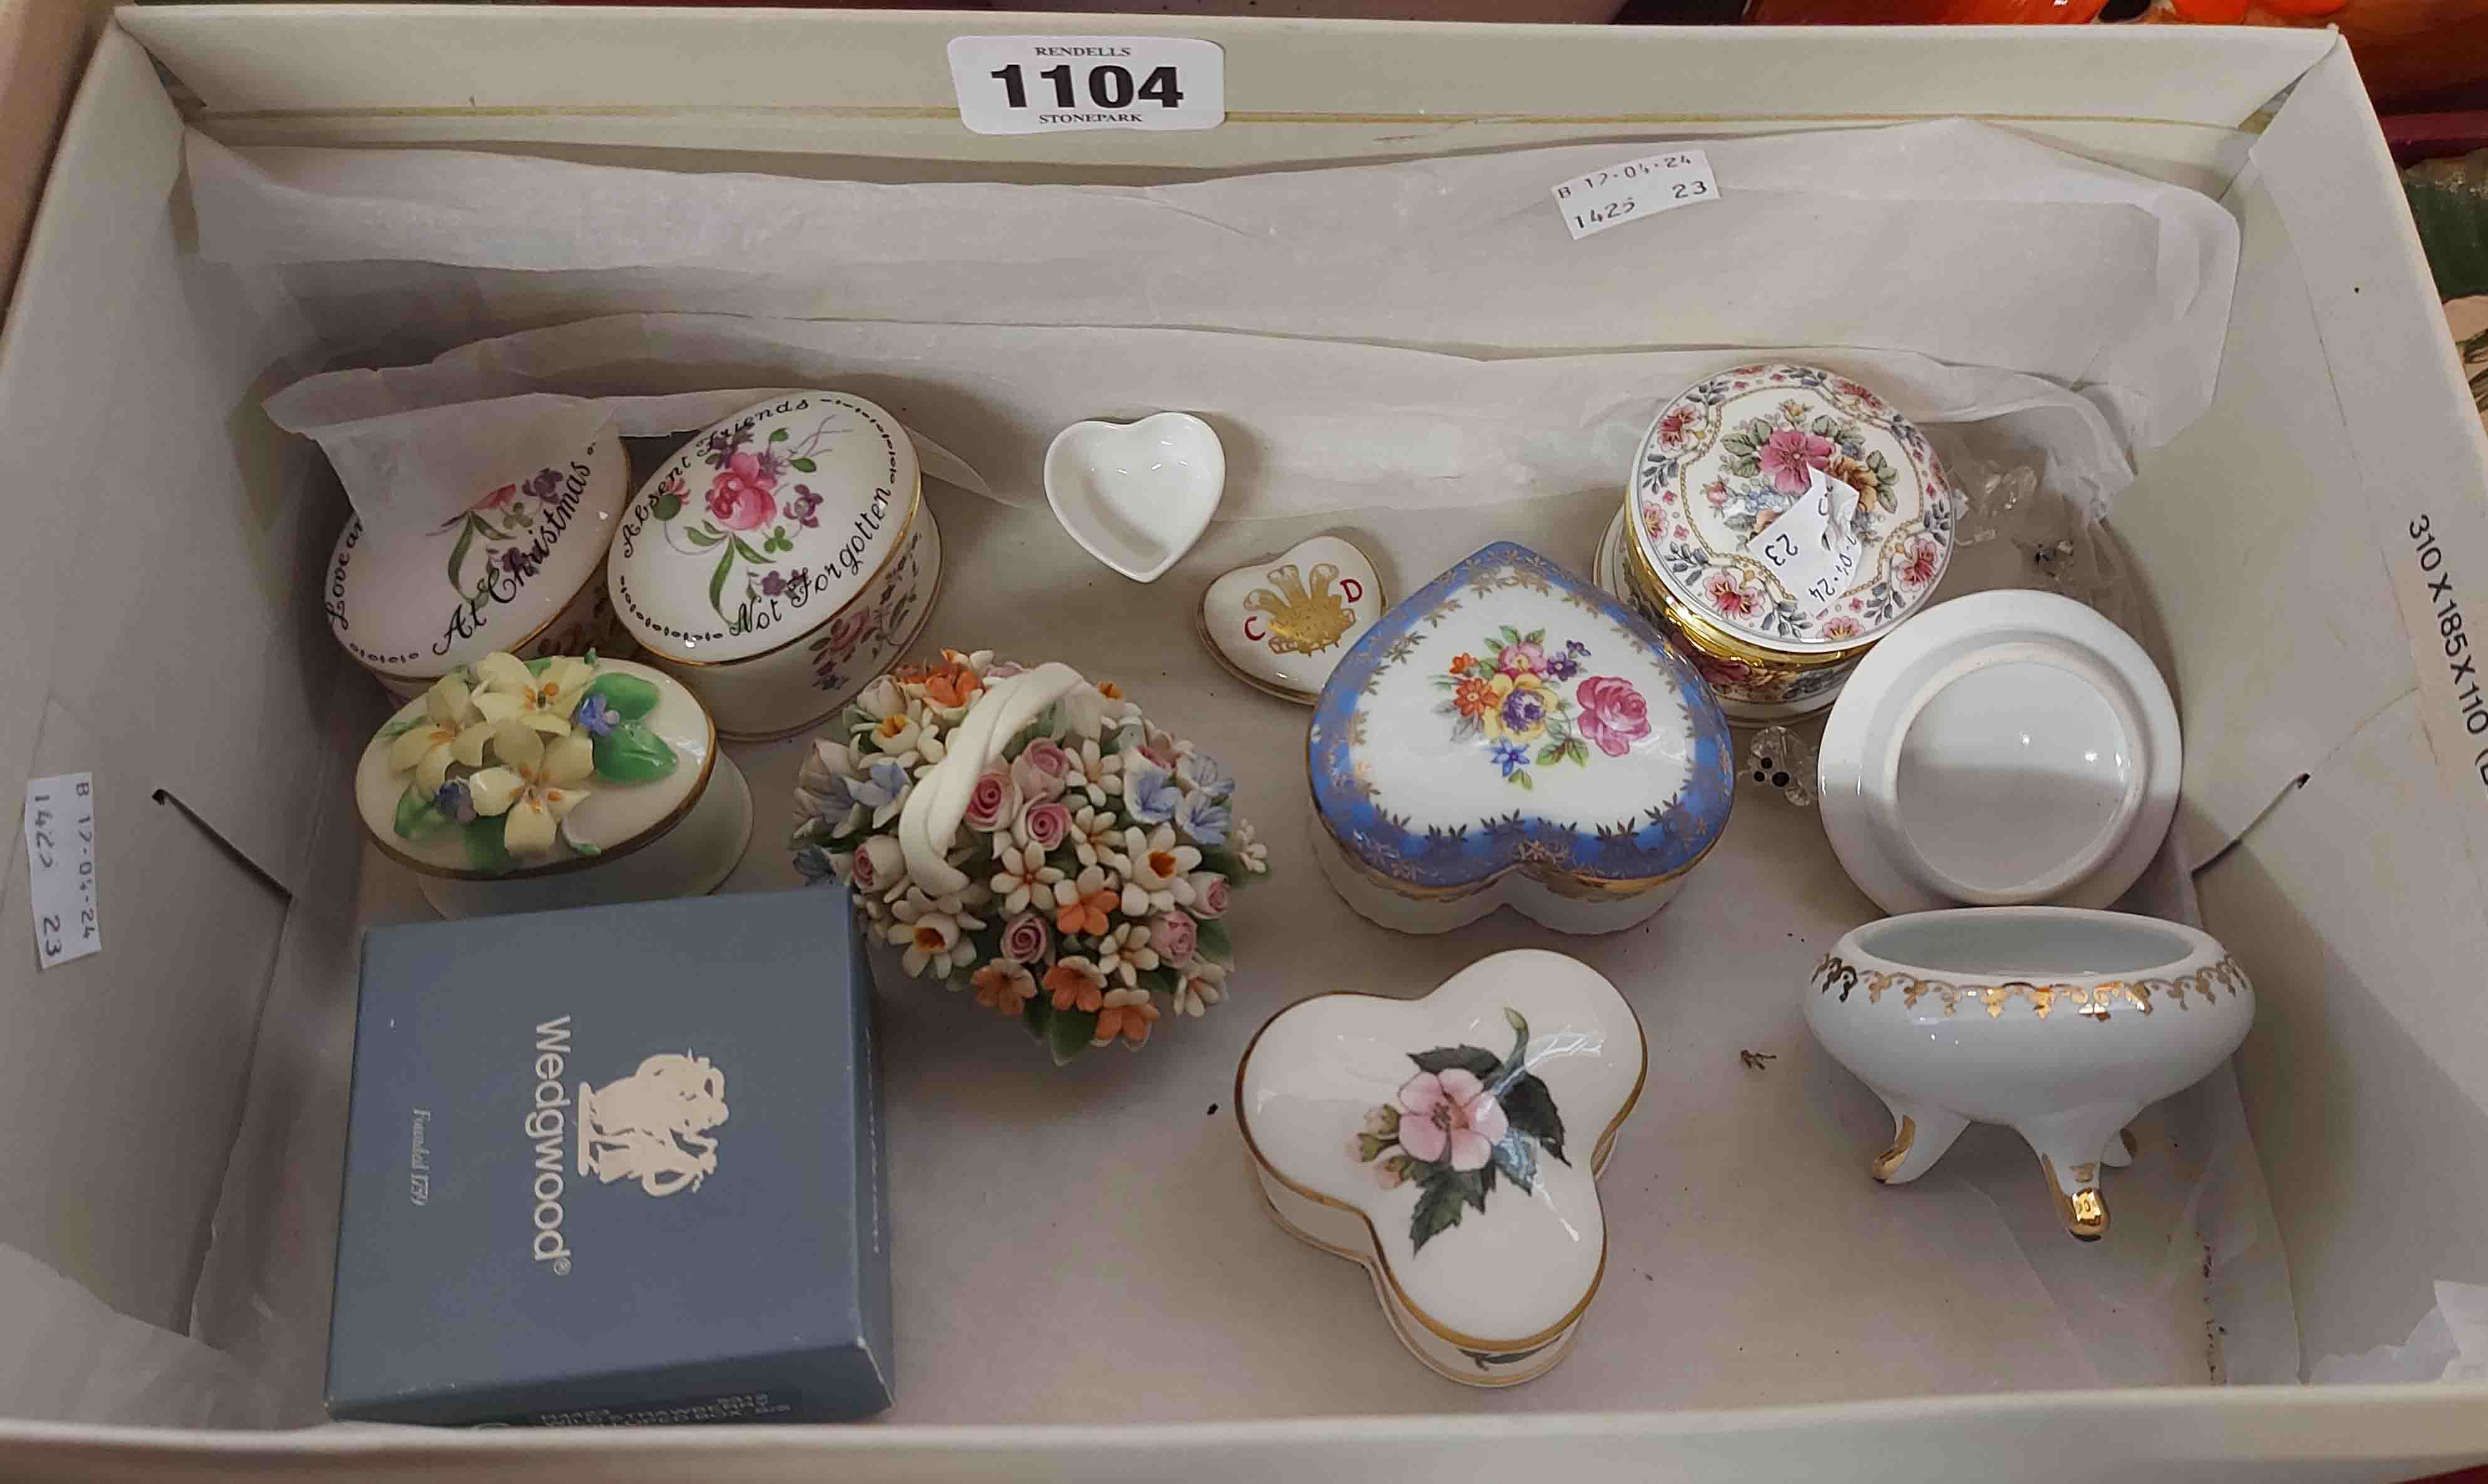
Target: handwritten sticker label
x: 1606, y: 198
x: 60, y: 867
x: 1045, y: 84
x: 1813, y: 545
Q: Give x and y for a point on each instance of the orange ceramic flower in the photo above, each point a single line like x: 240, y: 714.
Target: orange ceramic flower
x: 1003, y: 985
x: 1460, y: 663
x: 1130, y: 1021
x: 1476, y: 697
x: 1109, y: 690
x: 952, y: 686
x: 1075, y: 985
x: 1087, y: 914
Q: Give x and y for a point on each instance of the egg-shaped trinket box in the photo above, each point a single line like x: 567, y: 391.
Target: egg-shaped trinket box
x: 780, y: 561
x: 1782, y: 518
x: 1452, y: 1145
x: 520, y: 571
x: 2060, y: 1023
x: 526, y: 786
x: 1509, y: 735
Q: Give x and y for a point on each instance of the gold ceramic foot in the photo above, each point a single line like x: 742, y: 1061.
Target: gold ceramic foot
x: 2083, y: 1211
x: 1890, y: 1158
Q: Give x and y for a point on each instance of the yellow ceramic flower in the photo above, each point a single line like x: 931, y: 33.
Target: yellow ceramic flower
x: 534, y: 783
x: 512, y: 692
x: 430, y: 746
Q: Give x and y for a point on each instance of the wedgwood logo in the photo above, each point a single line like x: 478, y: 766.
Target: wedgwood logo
x: 651, y: 1127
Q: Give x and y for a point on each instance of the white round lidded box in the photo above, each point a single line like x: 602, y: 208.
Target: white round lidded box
x: 1781, y: 519
x: 522, y: 571
x: 780, y: 561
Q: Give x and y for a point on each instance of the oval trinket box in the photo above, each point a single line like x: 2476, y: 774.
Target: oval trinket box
x: 1722, y: 467
x: 780, y: 561
x: 520, y: 571
x: 1509, y: 735
x: 526, y: 786
x: 1452, y: 1146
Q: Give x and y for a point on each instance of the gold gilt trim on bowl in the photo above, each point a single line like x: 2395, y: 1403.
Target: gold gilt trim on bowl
x: 2092, y: 1001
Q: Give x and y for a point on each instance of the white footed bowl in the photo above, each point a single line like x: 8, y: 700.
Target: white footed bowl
x: 2059, y: 1022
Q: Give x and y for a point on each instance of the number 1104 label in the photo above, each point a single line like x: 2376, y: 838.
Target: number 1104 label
x: 1039, y: 84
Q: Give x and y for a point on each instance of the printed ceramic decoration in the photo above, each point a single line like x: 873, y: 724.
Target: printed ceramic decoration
x: 1732, y: 456
x: 2060, y: 1023
x: 1031, y: 836
x: 1452, y: 1145
x: 524, y: 786
x: 1284, y: 624
x: 2007, y: 747
x: 521, y: 570
x: 1135, y: 495
x: 780, y: 560
x: 1509, y: 735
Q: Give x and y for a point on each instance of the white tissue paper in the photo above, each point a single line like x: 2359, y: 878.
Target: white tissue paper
x: 2449, y: 1344
x: 1367, y: 336
x: 67, y: 1357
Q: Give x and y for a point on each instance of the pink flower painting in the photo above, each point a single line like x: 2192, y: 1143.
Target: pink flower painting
x: 744, y: 497
x: 1448, y: 1117
x: 1613, y: 713
x: 1789, y: 454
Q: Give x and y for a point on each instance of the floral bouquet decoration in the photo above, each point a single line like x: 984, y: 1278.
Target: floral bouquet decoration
x: 1034, y: 837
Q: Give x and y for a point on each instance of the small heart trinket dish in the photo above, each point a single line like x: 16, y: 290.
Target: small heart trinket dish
x: 1511, y: 736
x: 1283, y: 623
x: 1452, y: 1146
x: 1135, y: 495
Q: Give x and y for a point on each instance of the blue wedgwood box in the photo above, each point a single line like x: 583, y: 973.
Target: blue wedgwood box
x: 620, y: 1164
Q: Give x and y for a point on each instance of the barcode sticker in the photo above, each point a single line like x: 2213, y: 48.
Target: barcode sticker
x: 1606, y: 198
x: 1813, y: 545
x: 60, y: 867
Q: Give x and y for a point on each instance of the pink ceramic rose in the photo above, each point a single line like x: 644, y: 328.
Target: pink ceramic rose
x: 1026, y: 939
x: 1038, y: 771
x: 743, y: 496
x: 1210, y: 893
x: 1789, y: 454
x: 1175, y: 937
x: 994, y: 801
x: 1613, y: 713
x: 1449, y: 1117
x: 1045, y: 824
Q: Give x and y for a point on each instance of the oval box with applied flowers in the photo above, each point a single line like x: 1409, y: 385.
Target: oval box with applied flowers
x: 780, y: 560
x: 563, y: 781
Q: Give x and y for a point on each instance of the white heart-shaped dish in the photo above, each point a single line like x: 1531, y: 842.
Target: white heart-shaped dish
x: 1135, y: 495
x: 1452, y: 1145
x: 1284, y: 622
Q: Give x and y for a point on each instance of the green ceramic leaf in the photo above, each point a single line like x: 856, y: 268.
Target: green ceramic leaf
x: 1160, y: 980
x: 1474, y: 1060
x: 485, y: 851
x: 458, y: 553
x: 541, y: 663
x: 1552, y: 753
x: 415, y: 814
x: 1472, y: 1183
x: 717, y: 582
x: 1524, y: 780
x: 1528, y: 1106
x: 1216, y: 942
x: 587, y: 850
x: 397, y: 729
x: 777, y: 435
x: 1035, y: 1014
x: 631, y: 753
x: 1224, y: 863
x: 804, y: 464
x: 702, y: 537
x: 666, y: 506
x: 630, y: 697
x: 1068, y: 1032
x: 1438, y: 1211
x: 743, y: 550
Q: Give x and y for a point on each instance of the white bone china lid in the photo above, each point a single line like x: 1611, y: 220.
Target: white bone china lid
x: 491, y: 578
x: 763, y: 527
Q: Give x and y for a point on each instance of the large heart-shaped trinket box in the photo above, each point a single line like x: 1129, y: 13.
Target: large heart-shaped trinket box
x: 1452, y: 1145
x: 1510, y: 735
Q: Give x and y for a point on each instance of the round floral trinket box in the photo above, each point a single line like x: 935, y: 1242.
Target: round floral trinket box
x: 1781, y: 519
x: 530, y: 785
x: 1510, y: 735
x: 1452, y: 1146
x: 520, y: 571
x: 780, y: 560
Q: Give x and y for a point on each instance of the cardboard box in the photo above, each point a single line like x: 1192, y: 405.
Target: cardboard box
x: 660, y: 1201
x: 167, y: 1095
